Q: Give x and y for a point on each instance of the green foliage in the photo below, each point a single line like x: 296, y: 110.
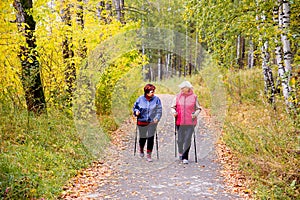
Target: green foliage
x: 38, y: 154
x: 164, y: 14
x: 50, y: 34
x: 116, y: 79
x: 221, y: 22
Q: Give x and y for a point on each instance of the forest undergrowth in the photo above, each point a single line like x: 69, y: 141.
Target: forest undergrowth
x: 262, y: 138
x: 39, y: 154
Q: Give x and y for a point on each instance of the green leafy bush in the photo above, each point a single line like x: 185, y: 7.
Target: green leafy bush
x: 38, y: 154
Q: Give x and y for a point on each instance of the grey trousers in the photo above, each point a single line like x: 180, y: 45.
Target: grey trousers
x: 185, y: 133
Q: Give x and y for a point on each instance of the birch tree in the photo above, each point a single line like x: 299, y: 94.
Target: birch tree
x: 104, y: 11
x: 251, y: 54
x: 119, y: 7
x: 30, y: 77
x: 285, y: 72
x: 165, y: 14
x: 267, y: 71
x: 278, y: 55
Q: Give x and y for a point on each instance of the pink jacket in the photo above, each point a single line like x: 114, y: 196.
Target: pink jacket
x: 185, y: 105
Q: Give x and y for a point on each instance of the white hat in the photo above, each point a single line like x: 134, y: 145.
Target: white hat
x: 185, y: 84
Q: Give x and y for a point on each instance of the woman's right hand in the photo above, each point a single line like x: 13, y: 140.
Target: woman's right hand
x: 175, y: 114
x: 137, y: 113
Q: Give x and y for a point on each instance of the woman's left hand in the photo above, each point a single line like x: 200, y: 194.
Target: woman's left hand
x: 155, y: 120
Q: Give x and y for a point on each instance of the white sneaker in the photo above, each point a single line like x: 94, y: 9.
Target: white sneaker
x: 185, y: 161
x: 142, y: 155
x: 180, y: 156
x: 149, y: 159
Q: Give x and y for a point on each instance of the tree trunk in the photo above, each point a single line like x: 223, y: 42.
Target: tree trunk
x: 179, y: 64
x: 267, y: 72
x: 284, y: 23
x: 279, y: 58
x: 100, y: 8
x: 119, y: 10
x: 159, y: 66
x: 286, y: 43
x: 251, y: 54
x: 108, y: 8
x: 82, y: 51
x: 31, y: 77
x: 240, y: 51
x: 68, y: 54
x: 168, y: 66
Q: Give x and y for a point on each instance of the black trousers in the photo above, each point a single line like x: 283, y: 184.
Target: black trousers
x: 185, y: 133
x: 146, y: 134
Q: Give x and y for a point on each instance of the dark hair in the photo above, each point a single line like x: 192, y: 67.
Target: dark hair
x: 148, y: 88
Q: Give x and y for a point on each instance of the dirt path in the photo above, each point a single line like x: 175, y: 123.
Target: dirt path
x: 132, y: 177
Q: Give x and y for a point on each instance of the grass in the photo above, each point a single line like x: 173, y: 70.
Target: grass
x: 38, y: 154
x: 265, y: 140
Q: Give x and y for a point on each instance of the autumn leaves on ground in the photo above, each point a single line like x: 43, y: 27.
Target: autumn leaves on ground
x: 46, y: 45
x: 242, y: 149
x: 47, y: 164
x: 120, y: 175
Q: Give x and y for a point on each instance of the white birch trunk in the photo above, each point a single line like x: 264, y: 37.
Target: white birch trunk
x: 151, y: 73
x: 167, y: 72
x: 251, y: 54
x: 159, y: 66
x: 196, y: 52
x: 284, y: 39
x: 286, y: 47
x: 118, y: 10
x: 279, y: 59
x: 186, y: 50
x: 144, y: 66
x: 267, y: 71
x: 284, y: 62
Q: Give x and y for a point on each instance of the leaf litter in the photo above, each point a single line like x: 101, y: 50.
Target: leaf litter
x: 120, y: 175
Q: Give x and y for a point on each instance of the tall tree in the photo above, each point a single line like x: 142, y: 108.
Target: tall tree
x: 31, y: 77
x: 278, y: 55
x: 240, y: 51
x: 104, y: 11
x: 284, y: 23
x: 119, y: 7
x: 265, y: 54
x: 82, y: 51
x: 68, y: 53
x: 251, y: 54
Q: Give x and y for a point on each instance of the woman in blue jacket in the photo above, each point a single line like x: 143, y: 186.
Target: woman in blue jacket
x: 148, y: 110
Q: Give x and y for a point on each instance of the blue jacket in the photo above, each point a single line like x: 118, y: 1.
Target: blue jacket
x: 149, y: 110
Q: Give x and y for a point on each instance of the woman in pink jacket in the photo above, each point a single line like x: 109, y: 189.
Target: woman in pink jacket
x: 185, y: 108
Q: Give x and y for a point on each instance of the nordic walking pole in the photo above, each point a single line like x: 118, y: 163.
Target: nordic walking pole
x: 195, y: 146
x: 156, y: 144
x: 175, y: 139
x: 196, y: 160
x: 135, y: 139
